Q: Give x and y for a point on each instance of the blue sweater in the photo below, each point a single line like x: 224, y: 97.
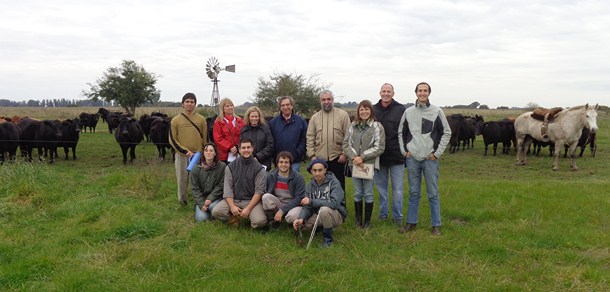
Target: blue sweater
x: 289, y: 135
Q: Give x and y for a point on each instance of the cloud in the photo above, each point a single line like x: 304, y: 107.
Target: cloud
x: 496, y: 53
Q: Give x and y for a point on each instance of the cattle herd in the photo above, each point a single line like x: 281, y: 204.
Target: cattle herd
x: 46, y: 136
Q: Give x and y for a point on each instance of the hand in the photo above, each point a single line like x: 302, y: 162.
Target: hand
x: 235, y: 210
x: 233, y: 150
x: 297, y: 223
x: 357, y: 161
x: 408, y: 154
x: 305, y: 201
x: 189, y: 153
x: 206, y: 205
x: 432, y: 157
x: 278, y: 216
x: 342, y: 158
x: 245, y: 213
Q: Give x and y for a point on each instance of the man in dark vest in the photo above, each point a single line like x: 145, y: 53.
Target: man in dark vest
x: 388, y: 112
x: 244, y: 185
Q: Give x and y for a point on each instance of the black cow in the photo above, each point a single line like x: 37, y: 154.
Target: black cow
x: 9, y: 141
x: 210, y: 121
x: 491, y: 135
x: 159, y: 134
x: 111, y: 118
x: 70, y: 132
x: 146, y: 122
x: 128, y: 134
x: 88, y: 121
x: 39, y: 134
x: 455, y: 125
x: 467, y: 132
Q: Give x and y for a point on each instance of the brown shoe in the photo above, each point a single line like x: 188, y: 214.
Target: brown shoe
x: 436, y: 230
x: 407, y: 228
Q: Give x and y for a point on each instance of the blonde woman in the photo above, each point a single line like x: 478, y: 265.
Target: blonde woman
x: 226, y: 130
x: 258, y: 131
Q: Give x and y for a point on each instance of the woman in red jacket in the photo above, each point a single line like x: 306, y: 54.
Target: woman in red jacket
x: 226, y: 130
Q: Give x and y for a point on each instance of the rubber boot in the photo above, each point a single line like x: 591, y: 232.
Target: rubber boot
x: 358, y: 208
x: 328, y: 237
x: 368, y: 211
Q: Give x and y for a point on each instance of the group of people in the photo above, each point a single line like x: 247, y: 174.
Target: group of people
x: 234, y: 180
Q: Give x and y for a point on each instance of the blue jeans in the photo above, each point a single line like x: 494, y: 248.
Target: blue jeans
x: 296, y: 167
x: 397, y: 174
x: 430, y: 170
x: 363, y: 188
x: 201, y: 216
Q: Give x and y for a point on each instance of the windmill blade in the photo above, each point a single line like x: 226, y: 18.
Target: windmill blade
x: 212, y: 68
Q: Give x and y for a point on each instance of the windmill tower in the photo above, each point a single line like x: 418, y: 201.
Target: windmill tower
x: 212, y: 69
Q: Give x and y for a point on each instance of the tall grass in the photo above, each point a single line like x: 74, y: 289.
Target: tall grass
x: 96, y: 224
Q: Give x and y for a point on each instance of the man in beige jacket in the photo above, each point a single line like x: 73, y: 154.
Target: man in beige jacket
x: 325, y: 134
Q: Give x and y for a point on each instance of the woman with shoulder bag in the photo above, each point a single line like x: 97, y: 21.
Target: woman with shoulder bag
x: 363, y: 144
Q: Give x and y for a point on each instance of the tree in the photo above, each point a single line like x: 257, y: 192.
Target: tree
x: 129, y: 85
x: 532, y: 105
x: 303, y: 89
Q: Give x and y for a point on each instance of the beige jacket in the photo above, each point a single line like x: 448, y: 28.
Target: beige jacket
x: 325, y: 133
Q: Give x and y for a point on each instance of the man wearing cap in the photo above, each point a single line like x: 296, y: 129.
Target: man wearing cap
x: 325, y: 134
x: 187, y: 134
x: 324, y: 198
x: 244, y: 185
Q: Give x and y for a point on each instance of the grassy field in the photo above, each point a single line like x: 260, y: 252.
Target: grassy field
x: 95, y: 224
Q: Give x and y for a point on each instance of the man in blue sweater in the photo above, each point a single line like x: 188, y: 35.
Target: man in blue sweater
x: 289, y: 132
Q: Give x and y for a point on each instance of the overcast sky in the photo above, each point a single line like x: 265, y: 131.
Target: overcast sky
x: 499, y: 53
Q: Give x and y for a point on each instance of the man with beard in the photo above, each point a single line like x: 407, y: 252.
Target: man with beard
x: 325, y: 134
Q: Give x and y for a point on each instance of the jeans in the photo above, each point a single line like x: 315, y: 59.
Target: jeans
x: 363, y: 188
x: 430, y: 170
x: 201, y: 216
x: 397, y: 174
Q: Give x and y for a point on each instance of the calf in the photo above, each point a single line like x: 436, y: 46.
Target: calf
x: 70, y: 132
x: 128, y: 134
x: 9, y: 140
x: 159, y: 134
x: 39, y: 134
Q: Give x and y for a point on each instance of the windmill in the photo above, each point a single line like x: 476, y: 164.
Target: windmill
x: 212, y: 69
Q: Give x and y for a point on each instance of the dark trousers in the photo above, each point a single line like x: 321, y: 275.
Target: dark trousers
x: 338, y: 169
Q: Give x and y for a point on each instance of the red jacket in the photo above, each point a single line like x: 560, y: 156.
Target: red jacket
x: 226, y: 137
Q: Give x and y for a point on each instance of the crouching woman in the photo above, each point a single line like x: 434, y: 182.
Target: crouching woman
x: 207, y: 179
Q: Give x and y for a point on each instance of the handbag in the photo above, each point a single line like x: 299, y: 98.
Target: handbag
x: 364, y: 171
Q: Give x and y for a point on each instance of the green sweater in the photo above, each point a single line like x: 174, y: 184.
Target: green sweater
x: 207, y: 184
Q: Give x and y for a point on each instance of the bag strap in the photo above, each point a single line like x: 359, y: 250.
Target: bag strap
x: 187, y: 118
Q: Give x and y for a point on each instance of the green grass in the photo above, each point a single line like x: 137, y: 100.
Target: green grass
x: 95, y: 224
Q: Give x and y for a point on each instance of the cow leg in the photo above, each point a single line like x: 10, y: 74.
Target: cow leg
x: 74, y: 152
x: 66, y: 151
x: 495, y: 148
x: 486, y: 148
x: 124, y: 151
x: 132, y: 153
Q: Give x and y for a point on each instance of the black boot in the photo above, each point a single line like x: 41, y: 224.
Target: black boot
x: 358, y: 210
x: 328, y: 237
x: 368, y: 211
